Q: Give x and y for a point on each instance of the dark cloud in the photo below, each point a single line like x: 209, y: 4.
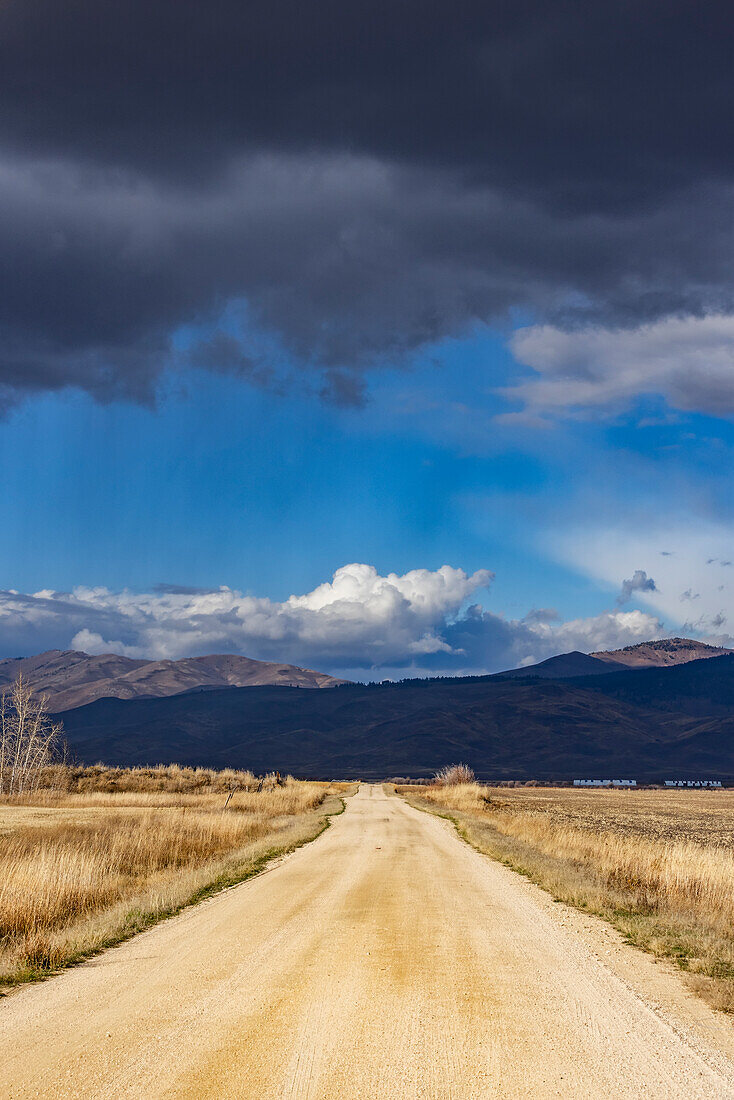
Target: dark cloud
x: 623, y: 99
x: 356, y: 180
x: 638, y: 582
x: 344, y: 388
x: 542, y: 616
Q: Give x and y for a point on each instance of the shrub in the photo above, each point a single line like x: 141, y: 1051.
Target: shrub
x: 453, y: 774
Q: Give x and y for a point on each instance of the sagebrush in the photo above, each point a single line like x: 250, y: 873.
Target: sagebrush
x: 453, y: 775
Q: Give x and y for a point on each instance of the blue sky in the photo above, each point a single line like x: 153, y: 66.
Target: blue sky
x: 269, y: 490
x: 224, y: 482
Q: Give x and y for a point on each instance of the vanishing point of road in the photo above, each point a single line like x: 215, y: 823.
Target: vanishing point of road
x: 385, y: 960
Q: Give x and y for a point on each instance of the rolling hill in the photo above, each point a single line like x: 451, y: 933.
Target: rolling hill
x: 661, y: 653
x: 70, y: 678
x: 562, y: 667
x: 657, y: 654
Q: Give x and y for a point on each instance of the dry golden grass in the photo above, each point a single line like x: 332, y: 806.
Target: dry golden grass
x: 657, y: 864
x: 82, y: 871
x: 172, y: 778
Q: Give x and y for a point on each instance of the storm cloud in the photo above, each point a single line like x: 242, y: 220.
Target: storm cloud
x: 352, y: 182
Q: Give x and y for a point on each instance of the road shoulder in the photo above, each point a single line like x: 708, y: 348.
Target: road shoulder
x: 654, y: 981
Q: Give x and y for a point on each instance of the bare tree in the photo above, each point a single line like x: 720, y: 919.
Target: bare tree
x: 28, y: 738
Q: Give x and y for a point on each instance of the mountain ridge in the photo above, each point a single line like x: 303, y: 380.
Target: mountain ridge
x: 72, y: 678
x: 645, y: 723
x: 662, y: 653
x: 563, y: 666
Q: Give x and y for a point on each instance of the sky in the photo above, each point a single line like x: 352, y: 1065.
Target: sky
x: 385, y: 340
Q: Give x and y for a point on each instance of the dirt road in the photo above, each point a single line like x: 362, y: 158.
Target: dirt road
x: 385, y: 960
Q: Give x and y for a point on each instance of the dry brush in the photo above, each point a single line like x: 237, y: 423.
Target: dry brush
x: 82, y: 870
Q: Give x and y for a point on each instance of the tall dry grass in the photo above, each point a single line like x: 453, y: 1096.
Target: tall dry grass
x: 671, y: 896
x: 172, y: 778
x: 104, y: 864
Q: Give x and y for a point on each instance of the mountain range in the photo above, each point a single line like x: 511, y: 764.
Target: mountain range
x: 673, y: 717
x: 70, y: 678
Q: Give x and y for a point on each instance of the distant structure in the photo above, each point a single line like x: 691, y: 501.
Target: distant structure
x: 606, y: 783
x: 692, y: 782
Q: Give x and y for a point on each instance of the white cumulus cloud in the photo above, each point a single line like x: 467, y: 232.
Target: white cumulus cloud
x: 359, y: 623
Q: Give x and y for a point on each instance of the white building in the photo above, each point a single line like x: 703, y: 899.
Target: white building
x: 692, y: 782
x: 605, y: 782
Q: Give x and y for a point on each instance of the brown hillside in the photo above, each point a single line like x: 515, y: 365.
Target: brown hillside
x: 660, y: 654
x: 72, y: 679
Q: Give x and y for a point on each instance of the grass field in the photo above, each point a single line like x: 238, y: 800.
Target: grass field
x: 86, y: 866
x: 659, y: 865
